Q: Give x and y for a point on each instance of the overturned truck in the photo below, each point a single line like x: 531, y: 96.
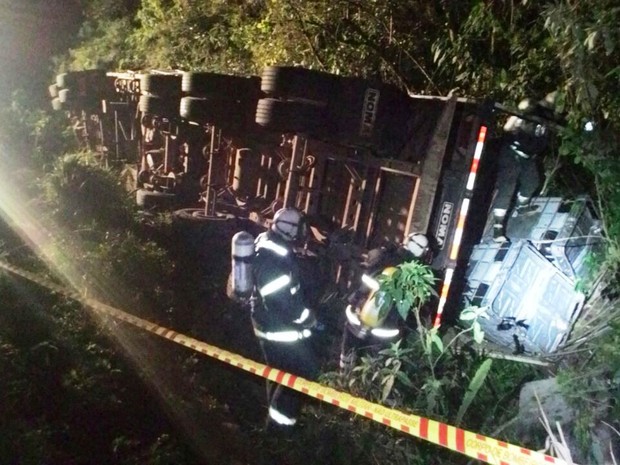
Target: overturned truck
x: 367, y: 159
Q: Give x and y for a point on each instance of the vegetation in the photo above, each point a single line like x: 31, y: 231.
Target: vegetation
x: 503, y: 50
x: 434, y: 375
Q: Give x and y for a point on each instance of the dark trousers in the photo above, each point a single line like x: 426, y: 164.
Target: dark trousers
x: 516, y: 174
x: 297, y: 358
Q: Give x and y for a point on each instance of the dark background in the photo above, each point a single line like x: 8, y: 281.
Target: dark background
x: 31, y: 32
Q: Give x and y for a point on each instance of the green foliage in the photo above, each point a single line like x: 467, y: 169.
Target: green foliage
x: 190, y: 35
x: 408, y: 288
x: 586, y: 41
x: 419, y: 372
x: 499, y: 50
x: 59, y: 371
x: 163, y: 451
x: 110, y: 9
x: 422, y: 372
x: 117, y: 268
x: 447, y: 386
x: 469, y: 317
x: 104, y: 45
x: 81, y: 192
x: 474, y: 386
x: 594, y: 387
x: 32, y: 136
x: 380, y: 377
x: 132, y: 261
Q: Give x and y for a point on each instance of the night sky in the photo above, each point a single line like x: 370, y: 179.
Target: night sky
x: 31, y: 32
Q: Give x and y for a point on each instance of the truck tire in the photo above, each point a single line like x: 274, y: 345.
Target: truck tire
x: 69, y: 100
x: 291, y: 116
x: 198, y: 215
x: 53, y: 90
x: 206, y: 237
x: 144, y: 176
x: 298, y: 83
x: 203, y: 84
x: 218, y: 111
x: 87, y: 79
x: 83, y: 88
x: 57, y: 105
x: 154, y: 200
x: 162, y: 85
x: 160, y: 106
x: 64, y: 95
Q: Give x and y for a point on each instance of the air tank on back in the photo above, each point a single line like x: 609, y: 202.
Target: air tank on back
x: 242, y: 253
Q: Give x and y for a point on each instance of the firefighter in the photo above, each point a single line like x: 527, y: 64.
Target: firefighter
x: 364, y: 328
x: 282, y: 321
x: 520, y: 162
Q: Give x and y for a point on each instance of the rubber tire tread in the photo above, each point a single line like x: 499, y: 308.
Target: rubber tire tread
x: 290, y: 116
x: 300, y: 83
x: 218, y: 111
x: 160, y: 106
x: 154, y: 200
x: 204, y: 84
x: 163, y: 85
x: 90, y: 78
x: 57, y: 105
x: 64, y: 95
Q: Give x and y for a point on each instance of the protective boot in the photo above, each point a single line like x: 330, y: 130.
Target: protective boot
x: 524, y: 206
x: 499, y: 229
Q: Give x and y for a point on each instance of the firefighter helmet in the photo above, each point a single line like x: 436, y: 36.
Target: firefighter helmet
x: 417, y: 244
x: 290, y: 224
x: 550, y: 100
x: 527, y: 104
x: 371, y: 313
x: 389, y: 271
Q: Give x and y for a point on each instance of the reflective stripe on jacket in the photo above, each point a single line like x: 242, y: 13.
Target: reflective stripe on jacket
x: 283, y: 336
x: 283, y: 314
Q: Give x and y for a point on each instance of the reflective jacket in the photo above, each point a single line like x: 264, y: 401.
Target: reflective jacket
x: 282, y: 315
x: 361, y: 318
x: 528, y: 139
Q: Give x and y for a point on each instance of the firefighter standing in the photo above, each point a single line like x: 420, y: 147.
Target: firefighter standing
x: 282, y: 322
x: 364, y: 328
x: 520, y: 161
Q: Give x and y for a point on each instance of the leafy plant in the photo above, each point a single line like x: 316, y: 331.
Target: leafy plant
x: 420, y: 372
x: 81, y: 192
x: 32, y: 137
x: 470, y: 316
x: 407, y: 289
x: 380, y: 376
x: 474, y: 386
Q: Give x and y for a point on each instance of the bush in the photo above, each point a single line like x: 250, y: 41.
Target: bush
x: 80, y: 193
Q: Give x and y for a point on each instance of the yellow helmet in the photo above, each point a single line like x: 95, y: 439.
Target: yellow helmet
x: 389, y: 271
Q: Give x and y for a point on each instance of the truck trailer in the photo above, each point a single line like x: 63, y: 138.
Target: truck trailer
x: 365, y: 160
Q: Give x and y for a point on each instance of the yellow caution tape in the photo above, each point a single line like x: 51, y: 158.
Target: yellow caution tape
x: 456, y: 439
